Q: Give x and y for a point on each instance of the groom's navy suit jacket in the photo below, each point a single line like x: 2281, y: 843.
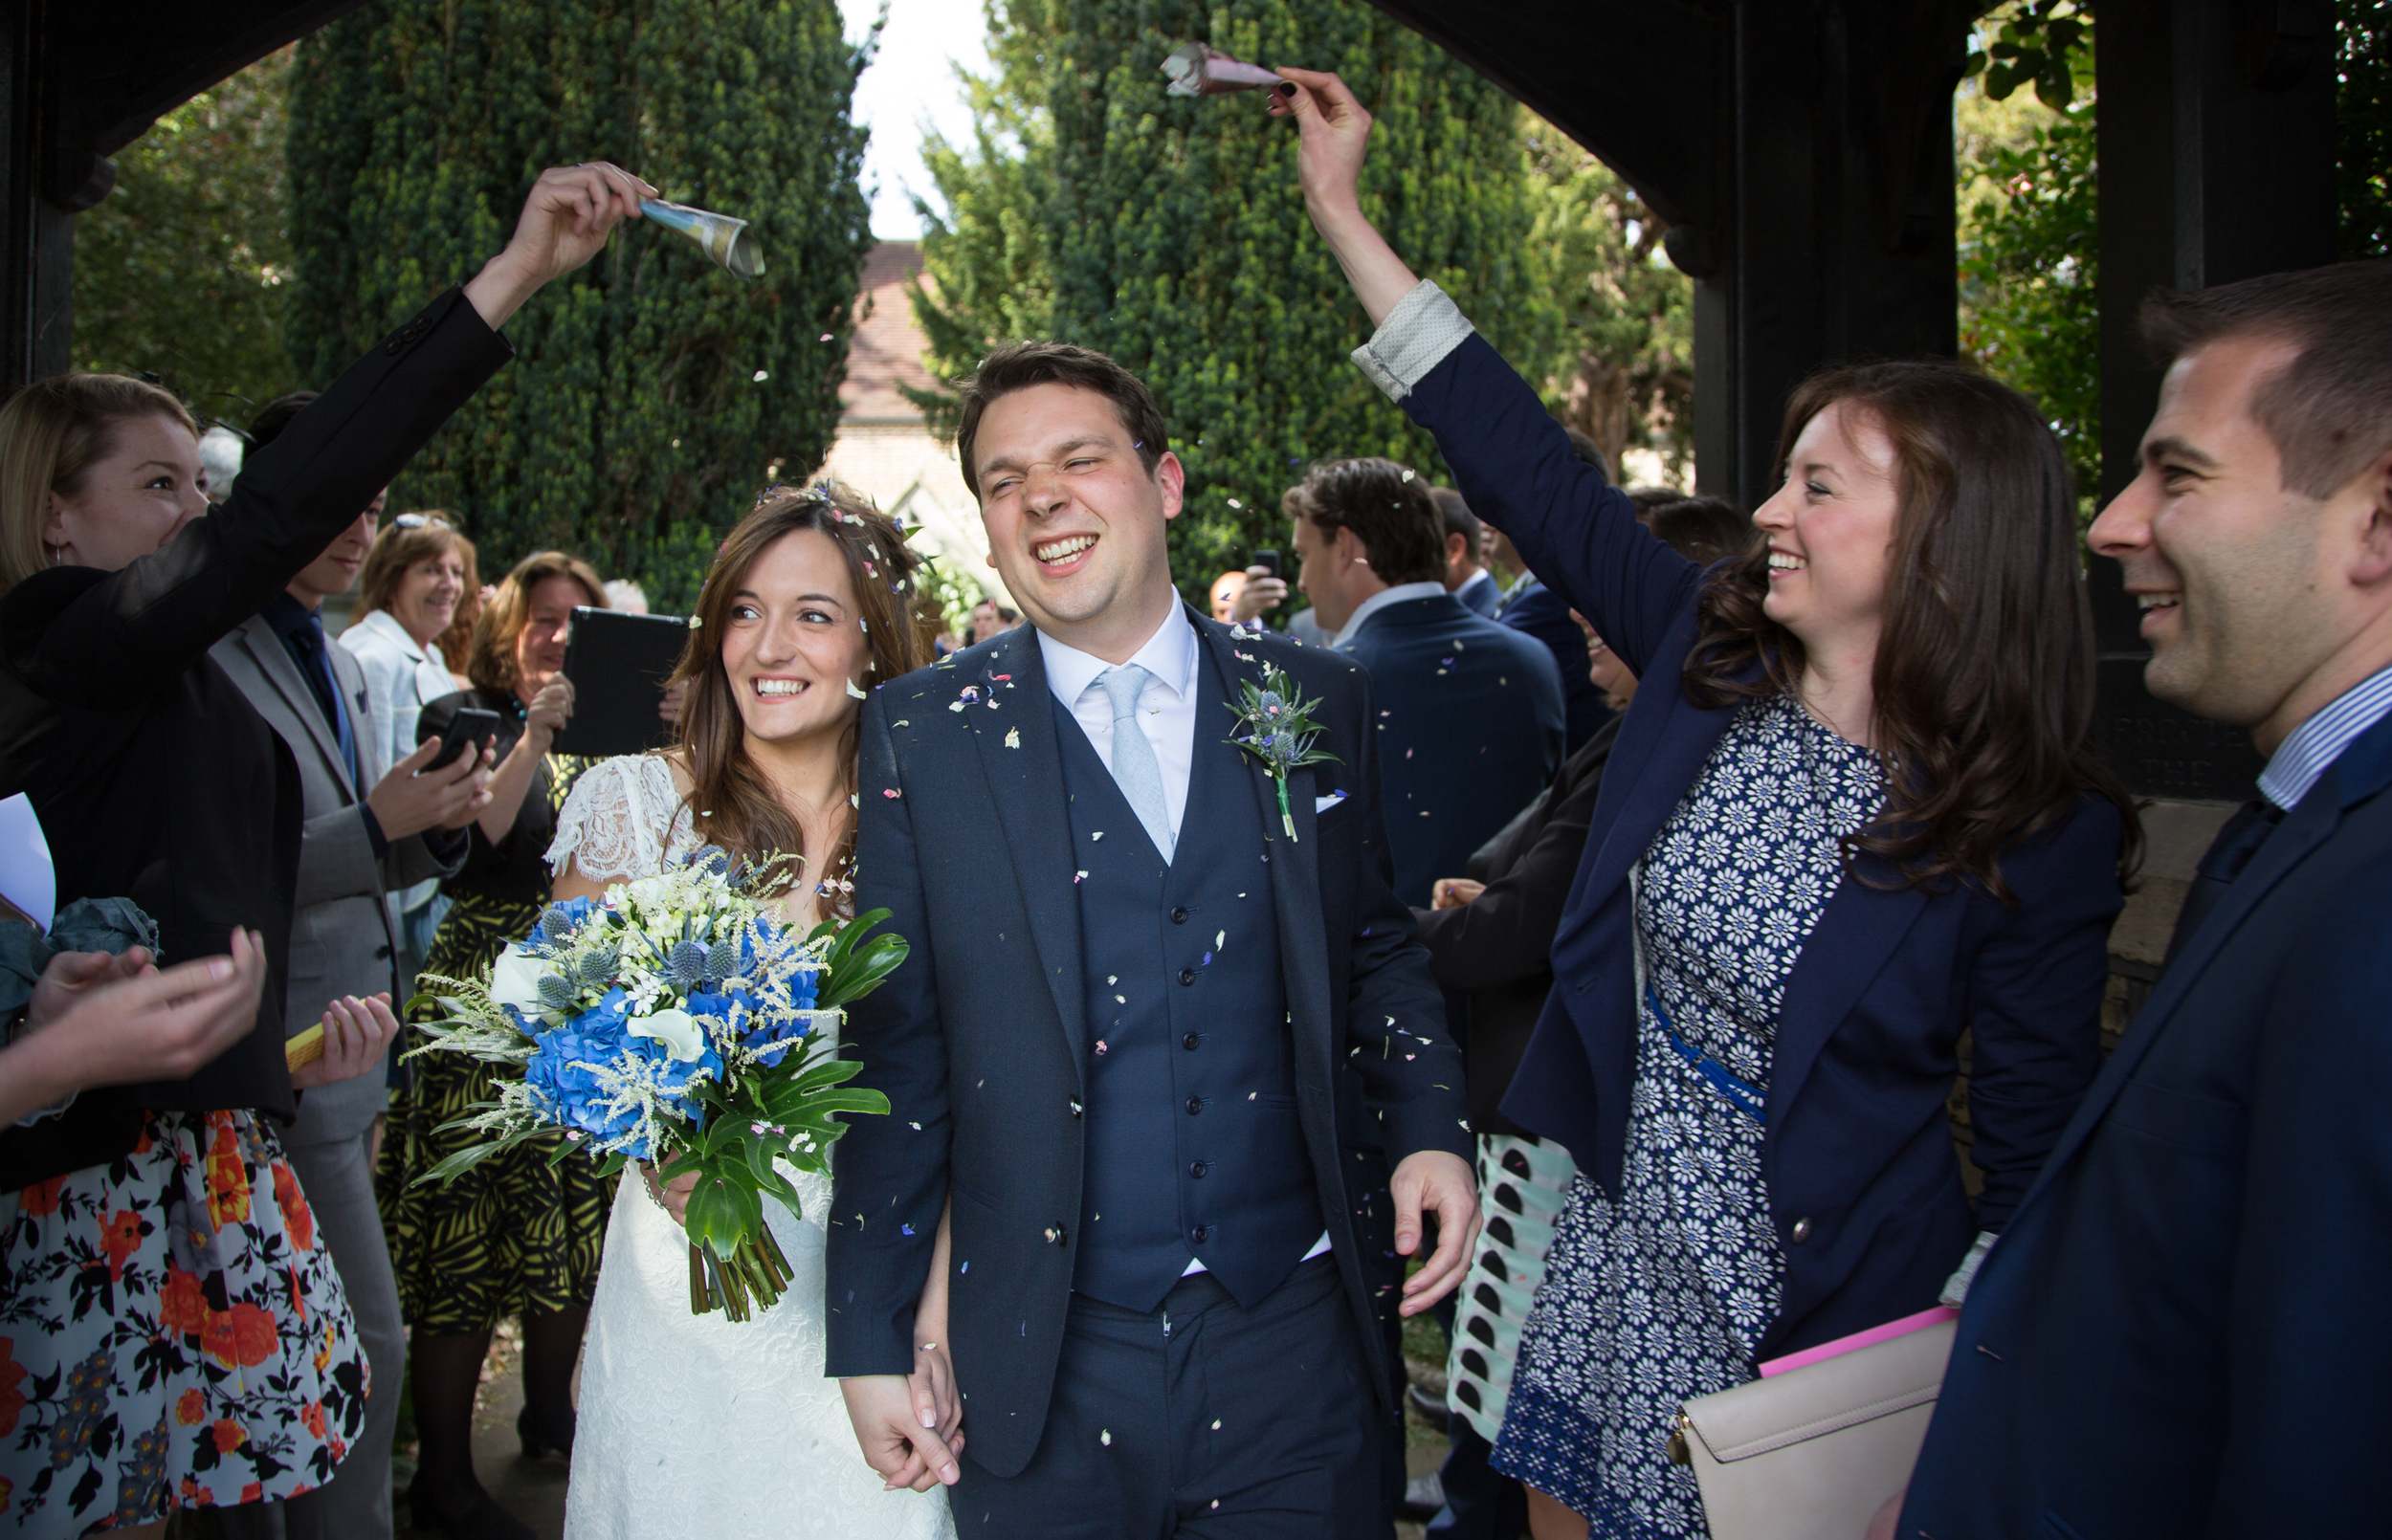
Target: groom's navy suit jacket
x: 2184, y: 1333
x: 982, y: 1043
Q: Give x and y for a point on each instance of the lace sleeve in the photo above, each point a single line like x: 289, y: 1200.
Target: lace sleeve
x: 619, y: 821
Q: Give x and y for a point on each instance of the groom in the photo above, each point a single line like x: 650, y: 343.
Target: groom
x: 1117, y: 1047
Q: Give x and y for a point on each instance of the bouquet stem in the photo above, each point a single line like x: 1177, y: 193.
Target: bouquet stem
x: 753, y: 1278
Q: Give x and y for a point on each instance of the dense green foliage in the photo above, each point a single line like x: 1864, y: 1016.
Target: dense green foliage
x: 180, y: 271
x: 2363, y: 117
x: 1170, y: 232
x: 653, y: 395
x: 1621, y: 368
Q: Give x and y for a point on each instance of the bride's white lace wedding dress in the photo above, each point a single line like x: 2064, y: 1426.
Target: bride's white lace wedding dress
x: 691, y: 1425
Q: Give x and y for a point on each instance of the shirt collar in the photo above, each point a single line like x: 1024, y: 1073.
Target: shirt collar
x: 384, y: 625
x: 1482, y: 575
x: 286, y: 615
x: 1170, y: 656
x: 2301, y: 758
x: 1395, y: 594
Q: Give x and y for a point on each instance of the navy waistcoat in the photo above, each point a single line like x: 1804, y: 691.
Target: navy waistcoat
x: 1193, y: 1145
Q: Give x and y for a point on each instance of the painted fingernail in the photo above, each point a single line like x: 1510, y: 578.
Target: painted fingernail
x: 1287, y: 88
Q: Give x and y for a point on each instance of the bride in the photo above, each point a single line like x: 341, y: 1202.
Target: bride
x: 693, y: 1425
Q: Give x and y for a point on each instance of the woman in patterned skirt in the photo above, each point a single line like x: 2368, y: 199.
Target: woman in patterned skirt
x: 515, y: 1235
x: 1854, y: 813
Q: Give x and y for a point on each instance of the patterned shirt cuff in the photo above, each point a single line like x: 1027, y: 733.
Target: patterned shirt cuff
x: 1419, y: 332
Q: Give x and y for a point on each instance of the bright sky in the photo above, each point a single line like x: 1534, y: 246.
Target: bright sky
x: 911, y: 85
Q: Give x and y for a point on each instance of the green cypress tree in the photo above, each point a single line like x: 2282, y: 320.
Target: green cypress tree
x: 1170, y: 233
x: 654, y: 394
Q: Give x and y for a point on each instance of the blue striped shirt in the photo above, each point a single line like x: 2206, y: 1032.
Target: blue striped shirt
x: 2318, y: 742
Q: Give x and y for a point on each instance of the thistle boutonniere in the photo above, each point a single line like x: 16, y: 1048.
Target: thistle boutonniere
x: 1277, y: 727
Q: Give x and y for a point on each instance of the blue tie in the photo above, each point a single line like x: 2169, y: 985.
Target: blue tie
x: 1135, y: 769
x: 311, y: 644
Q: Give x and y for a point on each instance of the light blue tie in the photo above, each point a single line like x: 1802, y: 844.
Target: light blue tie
x: 1134, y: 767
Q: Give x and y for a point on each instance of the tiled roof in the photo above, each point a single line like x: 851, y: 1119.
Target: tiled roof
x: 886, y: 350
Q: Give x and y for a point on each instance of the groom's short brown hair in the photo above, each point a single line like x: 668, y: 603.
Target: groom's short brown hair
x: 1019, y: 366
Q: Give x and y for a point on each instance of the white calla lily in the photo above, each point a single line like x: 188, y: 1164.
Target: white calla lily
x: 515, y: 981
x: 677, y: 1029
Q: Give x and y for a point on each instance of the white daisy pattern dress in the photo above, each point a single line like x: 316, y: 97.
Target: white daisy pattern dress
x: 1660, y: 1295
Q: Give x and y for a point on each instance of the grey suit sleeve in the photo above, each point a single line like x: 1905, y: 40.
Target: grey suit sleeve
x: 335, y: 858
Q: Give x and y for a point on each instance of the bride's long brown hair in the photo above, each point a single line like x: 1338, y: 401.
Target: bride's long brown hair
x: 741, y: 811
x: 1984, y: 674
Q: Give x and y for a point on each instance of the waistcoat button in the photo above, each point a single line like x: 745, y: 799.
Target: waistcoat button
x: 1056, y: 1234
x: 1802, y: 1230
x: 1188, y: 976
x: 1178, y: 917
x: 1195, y: 1105
x: 1201, y: 1234
x: 1190, y: 1042
x: 1197, y: 1168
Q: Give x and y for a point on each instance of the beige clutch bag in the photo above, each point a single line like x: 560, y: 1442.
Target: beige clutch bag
x: 1813, y: 1453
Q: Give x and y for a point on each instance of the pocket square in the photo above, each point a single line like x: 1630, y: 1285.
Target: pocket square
x: 1321, y: 804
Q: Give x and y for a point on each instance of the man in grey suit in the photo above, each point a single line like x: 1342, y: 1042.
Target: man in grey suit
x: 405, y: 828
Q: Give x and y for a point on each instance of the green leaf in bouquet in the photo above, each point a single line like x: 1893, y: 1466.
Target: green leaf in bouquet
x: 724, y: 1209
x: 466, y: 1159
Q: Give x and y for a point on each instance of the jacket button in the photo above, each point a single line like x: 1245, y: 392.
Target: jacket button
x: 1178, y: 917
x: 1190, y: 1042
x: 1197, y: 1168
x: 1195, y: 1105
x: 382, y: 953
x: 1188, y: 976
x: 1075, y: 1108
x: 1201, y: 1234
x: 1056, y: 1234
x: 1802, y: 1230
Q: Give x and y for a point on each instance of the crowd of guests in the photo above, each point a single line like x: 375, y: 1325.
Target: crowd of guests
x: 1728, y: 839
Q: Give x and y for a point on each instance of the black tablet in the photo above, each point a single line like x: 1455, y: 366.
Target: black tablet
x: 619, y: 664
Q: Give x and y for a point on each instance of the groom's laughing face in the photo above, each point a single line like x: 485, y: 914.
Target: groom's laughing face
x: 1075, y: 521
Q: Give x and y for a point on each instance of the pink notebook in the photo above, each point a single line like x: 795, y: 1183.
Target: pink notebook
x: 1870, y: 1338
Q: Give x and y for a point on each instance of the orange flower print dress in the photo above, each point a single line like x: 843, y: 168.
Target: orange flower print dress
x: 171, y: 1336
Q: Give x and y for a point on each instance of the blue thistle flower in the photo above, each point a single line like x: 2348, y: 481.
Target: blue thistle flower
x: 685, y: 965
x: 558, y: 924
x: 555, y: 993
x: 596, y: 967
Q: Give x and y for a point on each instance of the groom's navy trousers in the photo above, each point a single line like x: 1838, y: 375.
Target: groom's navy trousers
x: 1200, y: 1419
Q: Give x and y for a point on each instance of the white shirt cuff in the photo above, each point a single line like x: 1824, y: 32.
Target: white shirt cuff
x: 1425, y: 325
x: 1956, y: 1288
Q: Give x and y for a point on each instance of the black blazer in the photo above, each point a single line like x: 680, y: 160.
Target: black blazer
x: 979, y: 1039
x: 2183, y: 1332
x: 153, y: 776
x: 1865, y: 1189
x: 1496, y: 949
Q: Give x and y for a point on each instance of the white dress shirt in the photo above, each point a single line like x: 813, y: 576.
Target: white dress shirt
x: 1395, y: 594
x: 1166, y: 707
x: 2314, y: 746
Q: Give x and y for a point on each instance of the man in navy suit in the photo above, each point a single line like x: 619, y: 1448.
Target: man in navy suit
x: 1470, y: 712
x: 1141, y: 962
x: 2183, y: 1330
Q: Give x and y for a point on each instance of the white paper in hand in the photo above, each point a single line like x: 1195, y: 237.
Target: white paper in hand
x: 28, y: 879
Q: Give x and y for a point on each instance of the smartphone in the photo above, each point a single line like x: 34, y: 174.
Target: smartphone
x: 1269, y: 560
x: 468, y: 728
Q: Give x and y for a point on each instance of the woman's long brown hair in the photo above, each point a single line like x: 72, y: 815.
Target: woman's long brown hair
x: 490, y: 657
x: 1985, y: 673
x: 743, y: 814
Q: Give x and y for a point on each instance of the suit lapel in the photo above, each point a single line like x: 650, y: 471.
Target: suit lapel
x: 1857, y: 933
x: 2360, y: 773
x: 1295, y: 864
x: 1680, y: 744
x: 273, y: 661
x: 350, y: 680
x: 1024, y: 765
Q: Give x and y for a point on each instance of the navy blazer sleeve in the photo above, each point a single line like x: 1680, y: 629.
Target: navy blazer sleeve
x: 1515, y: 466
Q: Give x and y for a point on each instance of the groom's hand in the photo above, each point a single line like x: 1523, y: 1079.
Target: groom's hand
x: 1440, y: 1183
x: 895, y: 1442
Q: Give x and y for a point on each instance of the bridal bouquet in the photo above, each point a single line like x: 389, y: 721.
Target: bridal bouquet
x: 677, y: 1022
